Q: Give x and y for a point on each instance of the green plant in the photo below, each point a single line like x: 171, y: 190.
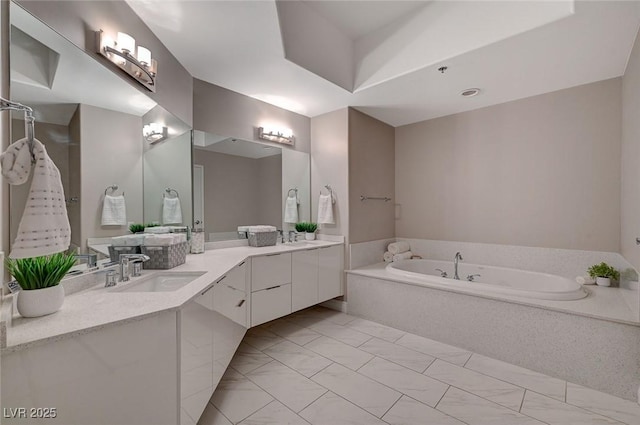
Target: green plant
x: 136, y: 228
x: 603, y: 270
x: 40, y: 272
x: 152, y: 225
x: 307, y: 227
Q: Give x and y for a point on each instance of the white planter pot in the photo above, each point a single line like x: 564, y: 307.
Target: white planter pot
x: 603, y: 281
x: 40, y: 302
x: 310, y: 236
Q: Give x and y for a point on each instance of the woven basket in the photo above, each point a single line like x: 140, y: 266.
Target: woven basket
x: 263, y: 238
x: 165, y: 257
x: 115, y: 251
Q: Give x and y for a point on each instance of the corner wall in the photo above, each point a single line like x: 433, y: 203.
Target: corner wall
x: 542, y: 171
x: 630, y: 192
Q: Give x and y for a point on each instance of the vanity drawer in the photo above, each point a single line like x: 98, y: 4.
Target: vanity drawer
x: 231, y: 303
x: 270, y: 270
x: 236, y: 277
x: 270, y: 304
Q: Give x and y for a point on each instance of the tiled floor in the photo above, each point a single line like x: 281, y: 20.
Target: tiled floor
x: 323, y: 367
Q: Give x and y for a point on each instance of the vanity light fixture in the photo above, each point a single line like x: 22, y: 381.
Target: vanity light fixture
x: 278, y: 135
x: 154, y: 132
x: 122, y: 52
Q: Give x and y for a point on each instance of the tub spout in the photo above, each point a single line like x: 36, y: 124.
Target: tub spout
x: 455, y: 265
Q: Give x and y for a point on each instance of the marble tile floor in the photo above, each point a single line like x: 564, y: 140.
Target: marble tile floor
x: 323, y: 367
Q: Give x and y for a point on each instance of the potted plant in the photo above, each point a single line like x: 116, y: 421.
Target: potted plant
x: 39, y: 279
x: 136, y: 228
x: 308, y: 228
x: 603, y: 273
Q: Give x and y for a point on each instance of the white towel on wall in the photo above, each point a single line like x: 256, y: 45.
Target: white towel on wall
x: 325, y: 209
x: 291, y: 210
x: 171, y: 211
x: 114, y: 211
x: 44, y: 227
x: 398, y: 247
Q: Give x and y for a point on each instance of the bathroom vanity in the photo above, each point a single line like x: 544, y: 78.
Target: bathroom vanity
x: 123, y: 353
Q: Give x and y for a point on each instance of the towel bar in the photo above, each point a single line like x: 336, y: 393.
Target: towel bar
x: 374, y: 198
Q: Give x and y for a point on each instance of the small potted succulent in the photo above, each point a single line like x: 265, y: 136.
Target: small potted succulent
x: 308, y: 228
x: 136, y: 228
x: 603, y: 273
x: 39, y: 279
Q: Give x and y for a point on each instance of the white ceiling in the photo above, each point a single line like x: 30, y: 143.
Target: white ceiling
x: 510, y: 50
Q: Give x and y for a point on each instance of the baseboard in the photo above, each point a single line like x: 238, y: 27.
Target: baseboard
x: 334, y: 304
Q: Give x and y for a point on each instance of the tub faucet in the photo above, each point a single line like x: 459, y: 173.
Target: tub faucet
x: 455, y: 265
x: 124, y: 264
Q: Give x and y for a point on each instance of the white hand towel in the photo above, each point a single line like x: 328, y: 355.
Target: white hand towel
x: 387, y: 257
x: 159, y: 240
x: 114, y: 211
x: 157, y: 229
x: 44, y: 227
x: 127, y: 240
x: 403, y: 256
x: 325, y: 210
x: 261, y: 228
x: 171, y: 211
x: 585, y: 280
x: 291, y: 210
x: 398, y: 247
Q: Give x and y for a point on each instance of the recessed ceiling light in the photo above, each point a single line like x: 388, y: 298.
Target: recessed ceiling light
x: 470, y: 92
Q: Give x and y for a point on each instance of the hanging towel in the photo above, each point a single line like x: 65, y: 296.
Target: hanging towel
x: 171, y: 211
x: 403, y: 256
x: 398, y: 247
x: 44, y: 227
x: 114, y: 211
x: 291, y: 209
x: 325, y: 209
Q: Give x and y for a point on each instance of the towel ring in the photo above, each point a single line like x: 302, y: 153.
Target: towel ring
x: 328, y: 187
x: 169, y: 191
x: 295, y: 191
x: 112, y: 188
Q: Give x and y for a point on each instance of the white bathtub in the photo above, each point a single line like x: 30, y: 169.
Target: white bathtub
x: 492, y: 280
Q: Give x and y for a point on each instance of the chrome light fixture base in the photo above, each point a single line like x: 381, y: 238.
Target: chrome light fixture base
x: 284, y: 136
x: 145, y: 74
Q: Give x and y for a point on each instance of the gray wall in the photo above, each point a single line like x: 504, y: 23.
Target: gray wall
x: 239, y: 190
x: 168, y: 164
x: 371, y: 173
x: 542, y: 171
x: 220, y: 111
x: 78, y: 20
x: 630, y: 226
x: 111, y: 152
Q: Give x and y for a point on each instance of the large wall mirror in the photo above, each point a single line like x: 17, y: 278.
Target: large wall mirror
x: 239, y: 182
x: 90, y: 119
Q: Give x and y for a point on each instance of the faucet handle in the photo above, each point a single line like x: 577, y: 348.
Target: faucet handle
x: 110, y: 279
x: 442, y: 273
x: 472, y: 277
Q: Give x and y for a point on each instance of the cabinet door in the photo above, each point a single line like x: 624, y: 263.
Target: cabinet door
x: 270, y: 270
x: 330, y: 271
x: 196, y: 354
x: 304, y: 279
x: 270, y: 304
x: 230, y: 297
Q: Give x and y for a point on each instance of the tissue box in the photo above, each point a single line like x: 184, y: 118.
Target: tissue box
x: 263, y: 238
x: 115, y: 251
x: 165, y: 257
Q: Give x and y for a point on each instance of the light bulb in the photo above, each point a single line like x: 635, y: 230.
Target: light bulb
x: 126, y: 43
x: 144, y: 55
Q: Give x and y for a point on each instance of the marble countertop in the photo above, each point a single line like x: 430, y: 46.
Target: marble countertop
x: 602, y: 303
x: 89, y: 305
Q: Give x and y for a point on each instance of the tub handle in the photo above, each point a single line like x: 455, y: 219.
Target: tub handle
x: 442, y: 273
x: 472, y: 277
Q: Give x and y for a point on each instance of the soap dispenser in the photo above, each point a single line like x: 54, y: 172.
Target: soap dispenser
x: 197, y: 238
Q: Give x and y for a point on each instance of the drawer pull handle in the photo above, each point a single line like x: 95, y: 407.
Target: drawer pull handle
x: 273, y: 287
x: 240, y: 303
x: 272, y: 255
x: 241, y: 264
x: 221, y: 279
x: 207, y: 290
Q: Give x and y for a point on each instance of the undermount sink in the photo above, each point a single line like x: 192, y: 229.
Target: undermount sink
x: 161, y: 282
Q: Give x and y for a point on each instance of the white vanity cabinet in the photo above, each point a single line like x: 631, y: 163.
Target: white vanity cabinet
x: 304, y: 279
x: 270, y: 287
x: 330, y: 272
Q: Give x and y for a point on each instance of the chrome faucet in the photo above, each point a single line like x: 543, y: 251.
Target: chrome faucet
x: 455, y: 265
x: 124, y: 264
x: 92, y: 259
x: 293, y: 236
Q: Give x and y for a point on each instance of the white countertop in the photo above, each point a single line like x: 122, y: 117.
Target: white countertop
x: 90, y: 309
x: 601, y: 303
